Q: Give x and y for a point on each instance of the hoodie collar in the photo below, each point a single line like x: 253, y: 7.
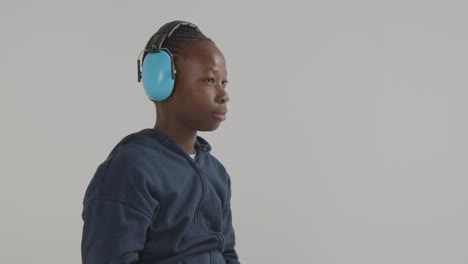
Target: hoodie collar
x: 201, y: 145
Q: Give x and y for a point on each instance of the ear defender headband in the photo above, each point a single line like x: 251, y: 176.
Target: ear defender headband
x: 158, y: 71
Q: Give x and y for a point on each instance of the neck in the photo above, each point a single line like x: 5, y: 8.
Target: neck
x: 184, y: 137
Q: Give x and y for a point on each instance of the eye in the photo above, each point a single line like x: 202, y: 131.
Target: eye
x: 209, y: 80
x: 225, y: 82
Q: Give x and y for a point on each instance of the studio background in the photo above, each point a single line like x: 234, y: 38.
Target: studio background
x: 345, y: 139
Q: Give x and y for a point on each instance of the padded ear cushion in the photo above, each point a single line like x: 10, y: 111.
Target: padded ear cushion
x: 157, y: 75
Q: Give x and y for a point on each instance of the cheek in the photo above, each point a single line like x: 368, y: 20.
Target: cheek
x: 194, y: 96
x: 208, y: 95
x: 200, y: 95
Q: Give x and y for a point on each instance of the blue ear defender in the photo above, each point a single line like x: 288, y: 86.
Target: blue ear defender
x: 158, y: 75
x: 157, y: 72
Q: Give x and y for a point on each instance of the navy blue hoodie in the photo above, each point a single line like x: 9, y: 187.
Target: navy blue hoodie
x: 150, y: 202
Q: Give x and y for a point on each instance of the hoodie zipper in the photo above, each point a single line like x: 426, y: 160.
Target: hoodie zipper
x: 204, y: 194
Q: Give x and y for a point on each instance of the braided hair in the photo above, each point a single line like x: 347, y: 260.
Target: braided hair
x: 182, y: 36
x: 179, y: 39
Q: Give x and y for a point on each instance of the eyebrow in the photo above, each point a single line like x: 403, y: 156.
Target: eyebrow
x: 212, y: 69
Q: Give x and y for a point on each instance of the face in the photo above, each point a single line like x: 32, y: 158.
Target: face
x: 199, y: 100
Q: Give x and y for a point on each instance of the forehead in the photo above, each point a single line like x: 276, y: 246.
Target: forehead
x: 202, y: 55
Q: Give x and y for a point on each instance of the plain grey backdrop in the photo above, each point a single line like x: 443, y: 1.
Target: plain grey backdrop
x: 346, y: 138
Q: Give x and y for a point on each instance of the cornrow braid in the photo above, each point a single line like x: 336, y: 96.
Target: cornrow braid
x: 179, y: 38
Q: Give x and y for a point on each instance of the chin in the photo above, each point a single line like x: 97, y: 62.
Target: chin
x: 208, y: 128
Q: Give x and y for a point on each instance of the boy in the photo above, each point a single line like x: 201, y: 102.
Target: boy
x: 160, y: 197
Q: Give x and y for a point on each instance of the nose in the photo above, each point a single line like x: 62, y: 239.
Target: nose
x: 224, y: 99
x: 222, y: 96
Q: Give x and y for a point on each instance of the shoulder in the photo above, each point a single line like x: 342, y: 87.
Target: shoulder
x: 217, y: 163
x: 203, y: 145
x: 126, y: 171
x: 133, y: 157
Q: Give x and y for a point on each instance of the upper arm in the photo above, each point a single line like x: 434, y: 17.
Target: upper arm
x: 113, y: 232
x: 118, y: 209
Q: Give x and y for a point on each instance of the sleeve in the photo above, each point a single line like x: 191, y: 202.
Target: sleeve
x: 113, y: 232
x: 118, y: 210
x: 229, y: 253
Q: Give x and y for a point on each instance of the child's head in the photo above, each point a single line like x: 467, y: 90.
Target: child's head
x: 180, y: 37
x: 198, y: 101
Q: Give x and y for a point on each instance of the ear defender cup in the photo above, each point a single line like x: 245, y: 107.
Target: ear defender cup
x: 158, y: 75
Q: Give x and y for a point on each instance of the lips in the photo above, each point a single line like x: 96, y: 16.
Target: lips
x: 220, y: 115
